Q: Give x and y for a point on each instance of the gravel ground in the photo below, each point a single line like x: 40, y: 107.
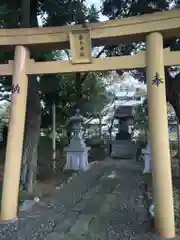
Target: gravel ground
x: 176, y: 190
x: 104, y: 203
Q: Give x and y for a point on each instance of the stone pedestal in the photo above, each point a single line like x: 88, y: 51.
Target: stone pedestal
x: 147, y: 160
x: 77, y: 151
x: 123, y: 149
x: 122, y: 146
x: 76, y: 155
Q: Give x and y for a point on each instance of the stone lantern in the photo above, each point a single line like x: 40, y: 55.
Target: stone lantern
x: 77, y: 151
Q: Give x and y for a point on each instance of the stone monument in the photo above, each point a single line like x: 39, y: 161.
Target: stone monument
x: 147, y: 159
x: 77, y: 151
x: 122, y: 146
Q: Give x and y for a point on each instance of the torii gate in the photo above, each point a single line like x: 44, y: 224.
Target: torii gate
x: 151, y: 28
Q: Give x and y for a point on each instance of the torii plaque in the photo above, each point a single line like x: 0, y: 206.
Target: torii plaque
x: 81, y: 47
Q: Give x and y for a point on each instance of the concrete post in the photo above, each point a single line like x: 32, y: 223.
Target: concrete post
x: 159, y: 139
x: 54, y: 135
x: 178, y: 137
x: 15, y: 136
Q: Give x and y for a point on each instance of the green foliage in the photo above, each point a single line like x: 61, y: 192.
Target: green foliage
x: 9, y: 15
x: 121, y: 8
x: 63, y: 93
x: 52, y: 12
x: 117, y: 9
x: 173, y: 145
x: 61, y: 89
x: 141, y: 116
x: 67, y: 12
x: 93, y: 15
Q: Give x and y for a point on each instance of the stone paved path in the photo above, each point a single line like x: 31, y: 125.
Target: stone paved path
x: 105, y: 203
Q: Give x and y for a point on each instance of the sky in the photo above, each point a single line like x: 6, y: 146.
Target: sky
x: 97, y: 3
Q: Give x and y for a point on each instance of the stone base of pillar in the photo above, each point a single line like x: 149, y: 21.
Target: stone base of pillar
x: 156, y: 237
x: 147, y: 159
x: 7, y: 222
x: 147, y: 164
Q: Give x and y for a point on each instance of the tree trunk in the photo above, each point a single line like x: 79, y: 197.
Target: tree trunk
x: 173, y: 92
x: 78, y: 90
x: 178, y: 139
x: 110, y: 136
x: 54, y: 136
x: 173, y: 95
x: 100, y: 126
x: 33, y: 116
x: 31, y: 137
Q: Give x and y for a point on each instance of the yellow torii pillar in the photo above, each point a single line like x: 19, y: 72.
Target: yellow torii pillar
x: 12, y: 169
x: 159, y: 140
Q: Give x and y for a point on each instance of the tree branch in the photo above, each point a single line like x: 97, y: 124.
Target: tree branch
x: 86, y: 74
x: 89, y: 120
x: 67, y: 53
x: 25, y: 13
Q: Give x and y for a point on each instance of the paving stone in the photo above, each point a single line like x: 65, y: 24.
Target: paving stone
x: 104, y: 203
x: 70, y: 237
x: 94, y: 205
x: 53, y: 236
x: 74, y: 190
x: 109, y: 204
x: 89, y: 194
x: 123, y: 222
x: 80, y: 206
x: 107, y: 186
x: 82, y: 225
x: 66, y: 223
